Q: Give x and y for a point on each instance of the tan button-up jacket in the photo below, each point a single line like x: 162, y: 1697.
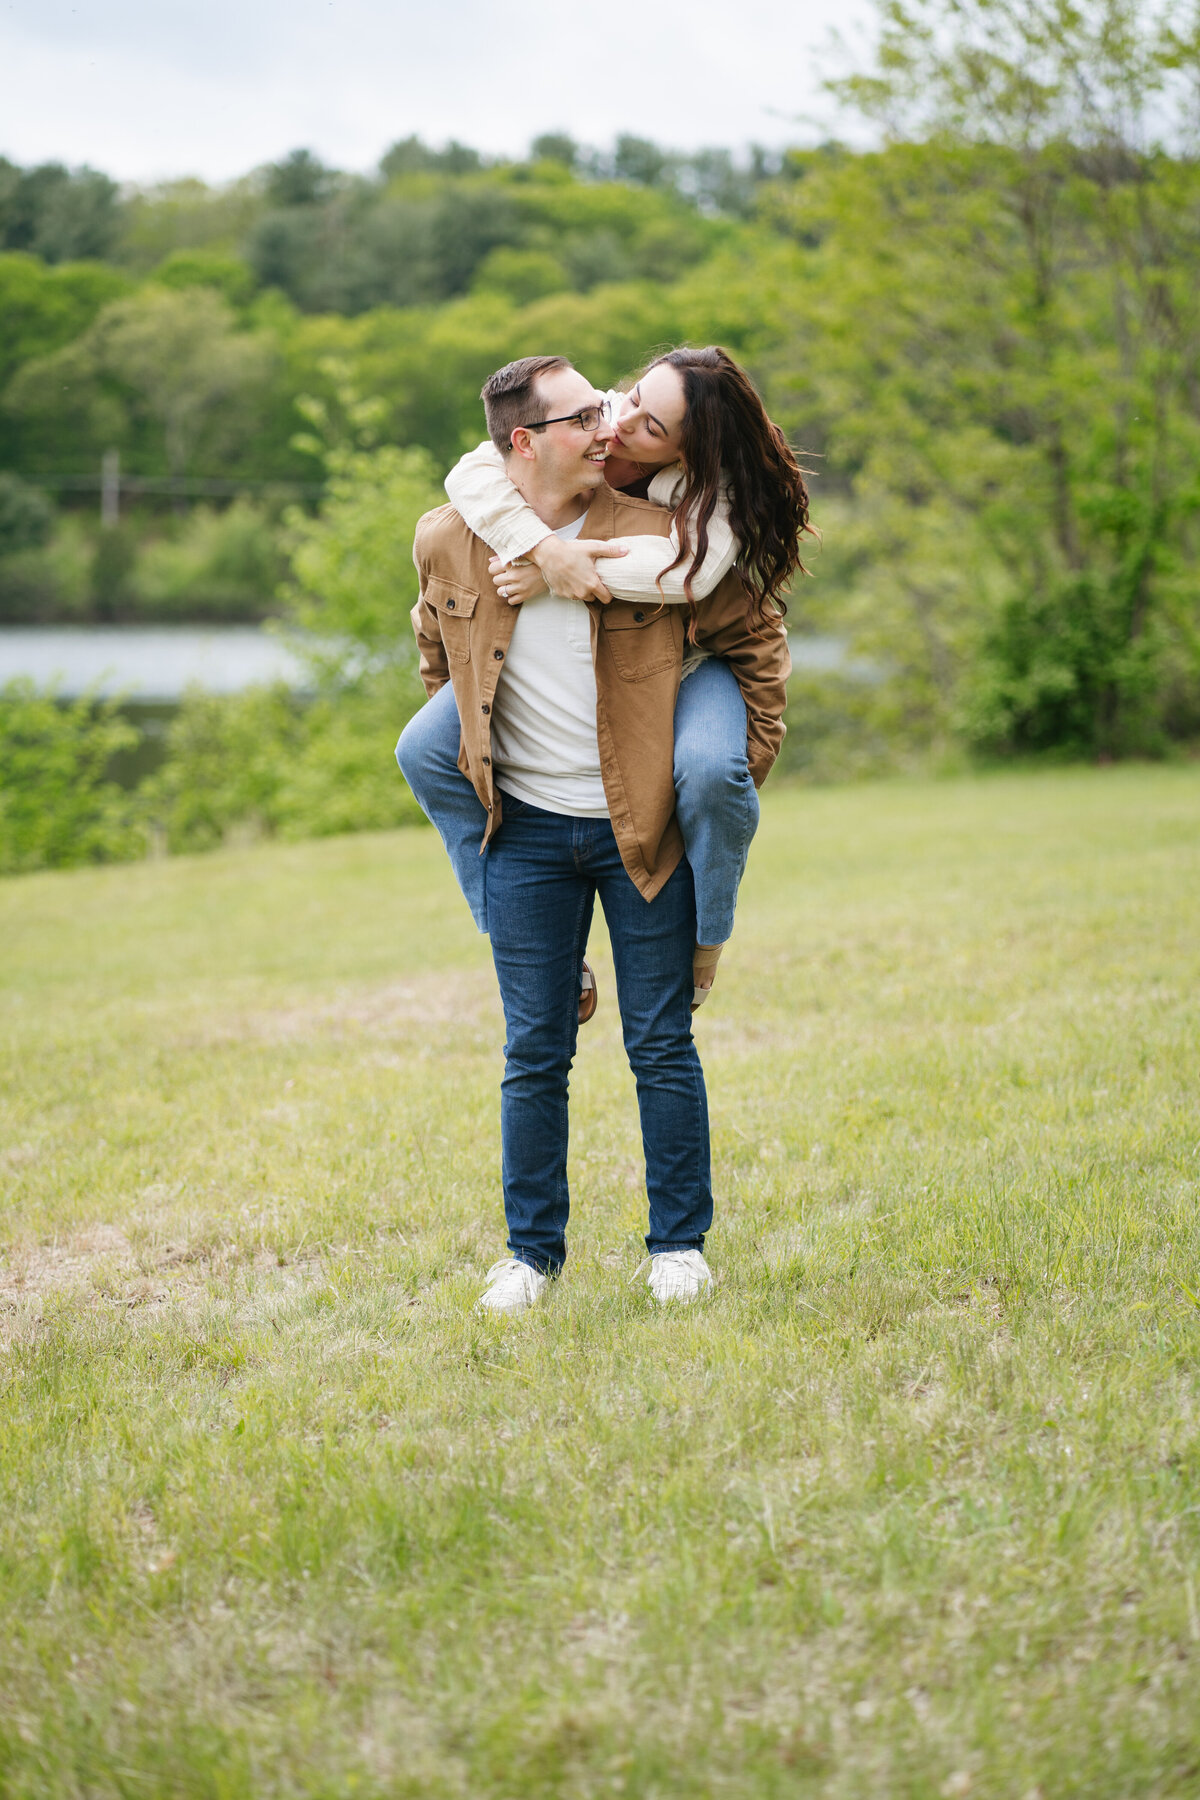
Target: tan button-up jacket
x: 464, y: 630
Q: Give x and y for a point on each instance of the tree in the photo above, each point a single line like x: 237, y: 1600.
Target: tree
x: 170, y: 361
x: 301, y: 179
x: 641, y: 162
x: 59, y: 214
x: 555, y: 146
x: 43, y: 308
x: 1007, y: 315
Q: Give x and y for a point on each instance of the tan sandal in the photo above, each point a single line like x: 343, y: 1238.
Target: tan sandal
x: 704, y: 962
x: 589, y: 999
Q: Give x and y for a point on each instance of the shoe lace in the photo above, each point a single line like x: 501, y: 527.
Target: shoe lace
x: 512, y: 1267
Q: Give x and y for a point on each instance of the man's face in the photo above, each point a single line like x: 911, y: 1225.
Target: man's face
x: 568, y: 458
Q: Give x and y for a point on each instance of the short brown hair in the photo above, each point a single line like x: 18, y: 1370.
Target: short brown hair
x: 511, y: 399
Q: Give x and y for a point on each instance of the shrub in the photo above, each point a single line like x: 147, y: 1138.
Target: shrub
x: 26, y: 515
x: 227, y: 756
x: 268, y: 763
x: 112, y: 571
x: 353, y: 581
x: 58, y: 808
x: 1063, y: 671
x: 219, y: 564
x: 50, y: 581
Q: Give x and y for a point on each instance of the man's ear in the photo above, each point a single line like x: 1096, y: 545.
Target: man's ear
x: 522, y: 442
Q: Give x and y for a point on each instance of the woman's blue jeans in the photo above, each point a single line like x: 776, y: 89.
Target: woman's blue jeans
x: 715, y: 799
x: 543, y: 873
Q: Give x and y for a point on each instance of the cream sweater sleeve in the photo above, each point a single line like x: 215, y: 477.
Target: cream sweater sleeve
x: 635, y: 577
x: 479, y: 489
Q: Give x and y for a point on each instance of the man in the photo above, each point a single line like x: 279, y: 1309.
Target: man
x: 566, y: 711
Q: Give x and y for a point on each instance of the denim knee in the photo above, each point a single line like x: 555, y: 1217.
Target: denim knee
x: 422, y: 754
x: 413, y: 749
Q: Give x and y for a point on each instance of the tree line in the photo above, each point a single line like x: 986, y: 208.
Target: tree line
x: 984, y: 332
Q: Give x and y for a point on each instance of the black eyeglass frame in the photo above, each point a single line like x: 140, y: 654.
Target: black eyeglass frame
x: 602, y: 410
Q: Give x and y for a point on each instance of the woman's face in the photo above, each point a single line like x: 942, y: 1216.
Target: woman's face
x: 648, y: 427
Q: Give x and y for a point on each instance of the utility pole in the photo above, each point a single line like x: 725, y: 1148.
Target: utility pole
x: 110, y: 489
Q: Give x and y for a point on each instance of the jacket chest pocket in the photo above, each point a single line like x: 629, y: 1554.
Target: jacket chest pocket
x: 455, y: 608
x: 644, y: 639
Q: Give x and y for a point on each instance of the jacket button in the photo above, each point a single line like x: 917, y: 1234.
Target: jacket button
x: 638, y: 617
x: 449, y: 606
x: 485, y: 707
x: 499, y: 655
x: 489, y: 809
x: 487, y: 762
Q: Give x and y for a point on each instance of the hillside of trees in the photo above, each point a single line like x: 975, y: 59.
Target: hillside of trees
x: 984, y: 333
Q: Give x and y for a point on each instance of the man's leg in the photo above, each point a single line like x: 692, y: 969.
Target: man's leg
x: 428, y: 758
x: 652, y: 944
x: 539, y: 908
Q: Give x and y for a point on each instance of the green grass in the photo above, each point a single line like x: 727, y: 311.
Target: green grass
x: 910, y: 1508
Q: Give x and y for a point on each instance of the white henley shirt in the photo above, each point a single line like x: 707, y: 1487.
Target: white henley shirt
x: 544, y: 745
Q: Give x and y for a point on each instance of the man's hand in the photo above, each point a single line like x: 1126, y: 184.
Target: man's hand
x: 569, y: 566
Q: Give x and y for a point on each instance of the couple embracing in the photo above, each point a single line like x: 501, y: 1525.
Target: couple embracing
x: 601, y: 636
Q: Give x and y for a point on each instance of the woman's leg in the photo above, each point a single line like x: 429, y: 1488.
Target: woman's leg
x: 428, y: 758
x: 715, y: 798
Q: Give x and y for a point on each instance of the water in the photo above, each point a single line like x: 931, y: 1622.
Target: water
x: 153, y: 664
x: 147, y: 664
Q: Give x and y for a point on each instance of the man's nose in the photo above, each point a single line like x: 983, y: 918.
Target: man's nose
x: 604, y: 432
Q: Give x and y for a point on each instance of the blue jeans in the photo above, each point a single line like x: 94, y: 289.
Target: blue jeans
x: 428, y: 758
x: 715, y: 800
x: 543, y: 873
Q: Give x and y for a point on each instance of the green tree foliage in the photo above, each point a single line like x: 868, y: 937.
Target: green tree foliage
x: 1004, y: 312
x: 267, y: 762
x: 164, y: 369
x: 215, y: 564
x: 26, y: 515
x: 424, y: 235
x: 187, y: 215
x: 58, y: 808
x: 353, y: 580
x: 58, y: 214
x: 985, y: 330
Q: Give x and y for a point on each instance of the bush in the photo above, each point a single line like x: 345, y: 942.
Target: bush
x: 52, y: 581
x: 353, y: 581
x: 266, y: 763
x: 1062, y: 672
x: 26, y: 515
x: 218, y: 565
x: 227, y: 757
x: 112, y: 571
x: 58, y: 808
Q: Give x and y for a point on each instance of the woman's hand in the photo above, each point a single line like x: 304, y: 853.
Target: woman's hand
x: 569, y: 565
x: 516, y: 581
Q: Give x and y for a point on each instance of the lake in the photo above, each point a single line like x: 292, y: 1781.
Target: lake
x: 146, y: 663
x: 154, y: 664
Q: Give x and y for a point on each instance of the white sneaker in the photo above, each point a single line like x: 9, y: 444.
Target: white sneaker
x: 678, y: 1275
x: 512, y: 1287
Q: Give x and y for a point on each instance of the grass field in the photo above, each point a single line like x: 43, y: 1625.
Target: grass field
x: 911, y: 1507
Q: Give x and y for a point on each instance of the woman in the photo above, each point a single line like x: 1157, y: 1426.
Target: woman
x: 692, y: 434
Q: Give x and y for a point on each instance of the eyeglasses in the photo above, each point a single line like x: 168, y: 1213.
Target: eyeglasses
x: 587, y: 418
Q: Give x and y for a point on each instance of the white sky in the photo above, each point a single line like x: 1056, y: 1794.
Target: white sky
x: 146, y: 89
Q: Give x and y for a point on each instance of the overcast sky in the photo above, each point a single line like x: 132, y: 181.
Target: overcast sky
x: 146, y: 89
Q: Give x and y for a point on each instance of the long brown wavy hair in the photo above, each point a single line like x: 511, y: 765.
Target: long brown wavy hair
x: 729, y: 445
